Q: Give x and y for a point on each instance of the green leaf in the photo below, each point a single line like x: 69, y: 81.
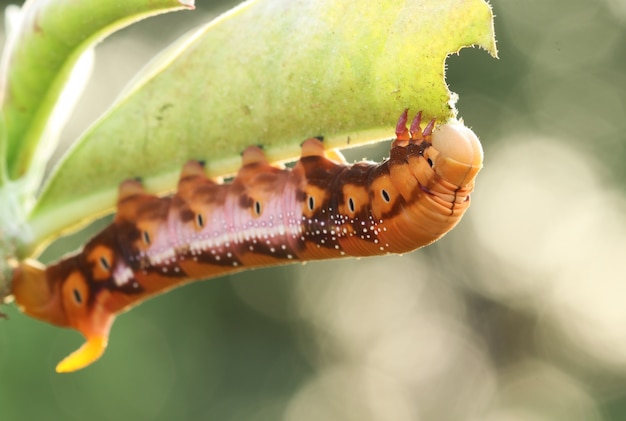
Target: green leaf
x: 270, y: 73
x: 46, y: 40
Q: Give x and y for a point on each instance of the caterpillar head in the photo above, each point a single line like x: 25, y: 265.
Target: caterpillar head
x: 458, y: 155
x: 60, y: 295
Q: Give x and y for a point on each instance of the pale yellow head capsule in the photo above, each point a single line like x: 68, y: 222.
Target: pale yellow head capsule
x: 459, y: 153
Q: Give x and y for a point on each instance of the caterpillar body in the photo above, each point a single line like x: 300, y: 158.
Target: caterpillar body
x: 319, y: 209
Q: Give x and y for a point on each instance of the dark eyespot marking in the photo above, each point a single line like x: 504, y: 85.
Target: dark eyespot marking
x: 200, y: 220
x: 257, y: 207
x: 311, y: 203
x: 430, y: 162
x: 104, y: 263
x: 146, y: 237
x: 77, y: 296
x: 351, y: 204
x: 385, y: 195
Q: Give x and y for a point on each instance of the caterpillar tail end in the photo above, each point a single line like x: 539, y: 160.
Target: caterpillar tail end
x: 89, y: 352
x: 95, y: 328
x: 460, y: 154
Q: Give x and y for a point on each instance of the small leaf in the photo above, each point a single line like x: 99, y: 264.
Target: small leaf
x: 46, y: 40
x: 270, y: 73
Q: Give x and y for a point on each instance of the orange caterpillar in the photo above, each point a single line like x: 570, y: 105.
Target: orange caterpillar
x: 320, y: 209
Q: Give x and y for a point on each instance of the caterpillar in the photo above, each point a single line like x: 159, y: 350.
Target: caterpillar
x: 321, y: 208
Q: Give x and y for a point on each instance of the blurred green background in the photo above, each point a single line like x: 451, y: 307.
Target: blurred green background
x: 519, y: 314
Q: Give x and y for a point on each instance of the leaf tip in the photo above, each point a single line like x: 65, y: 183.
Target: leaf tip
x: 490, y: 43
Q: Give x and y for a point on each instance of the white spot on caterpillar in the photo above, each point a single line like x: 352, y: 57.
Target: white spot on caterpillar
x: 122, y: 275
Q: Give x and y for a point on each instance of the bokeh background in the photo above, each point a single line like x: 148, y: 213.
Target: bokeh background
x: 519, y: 314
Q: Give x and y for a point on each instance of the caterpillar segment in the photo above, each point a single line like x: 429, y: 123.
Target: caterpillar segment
x: 321, y: 208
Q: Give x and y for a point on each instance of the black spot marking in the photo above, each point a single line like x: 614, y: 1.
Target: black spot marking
x: 77, y: 296
x: 385, y: 195
x: 145, y: 235
x: 200, y: 220
x: 105, y: 264
x: 351, y: 204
